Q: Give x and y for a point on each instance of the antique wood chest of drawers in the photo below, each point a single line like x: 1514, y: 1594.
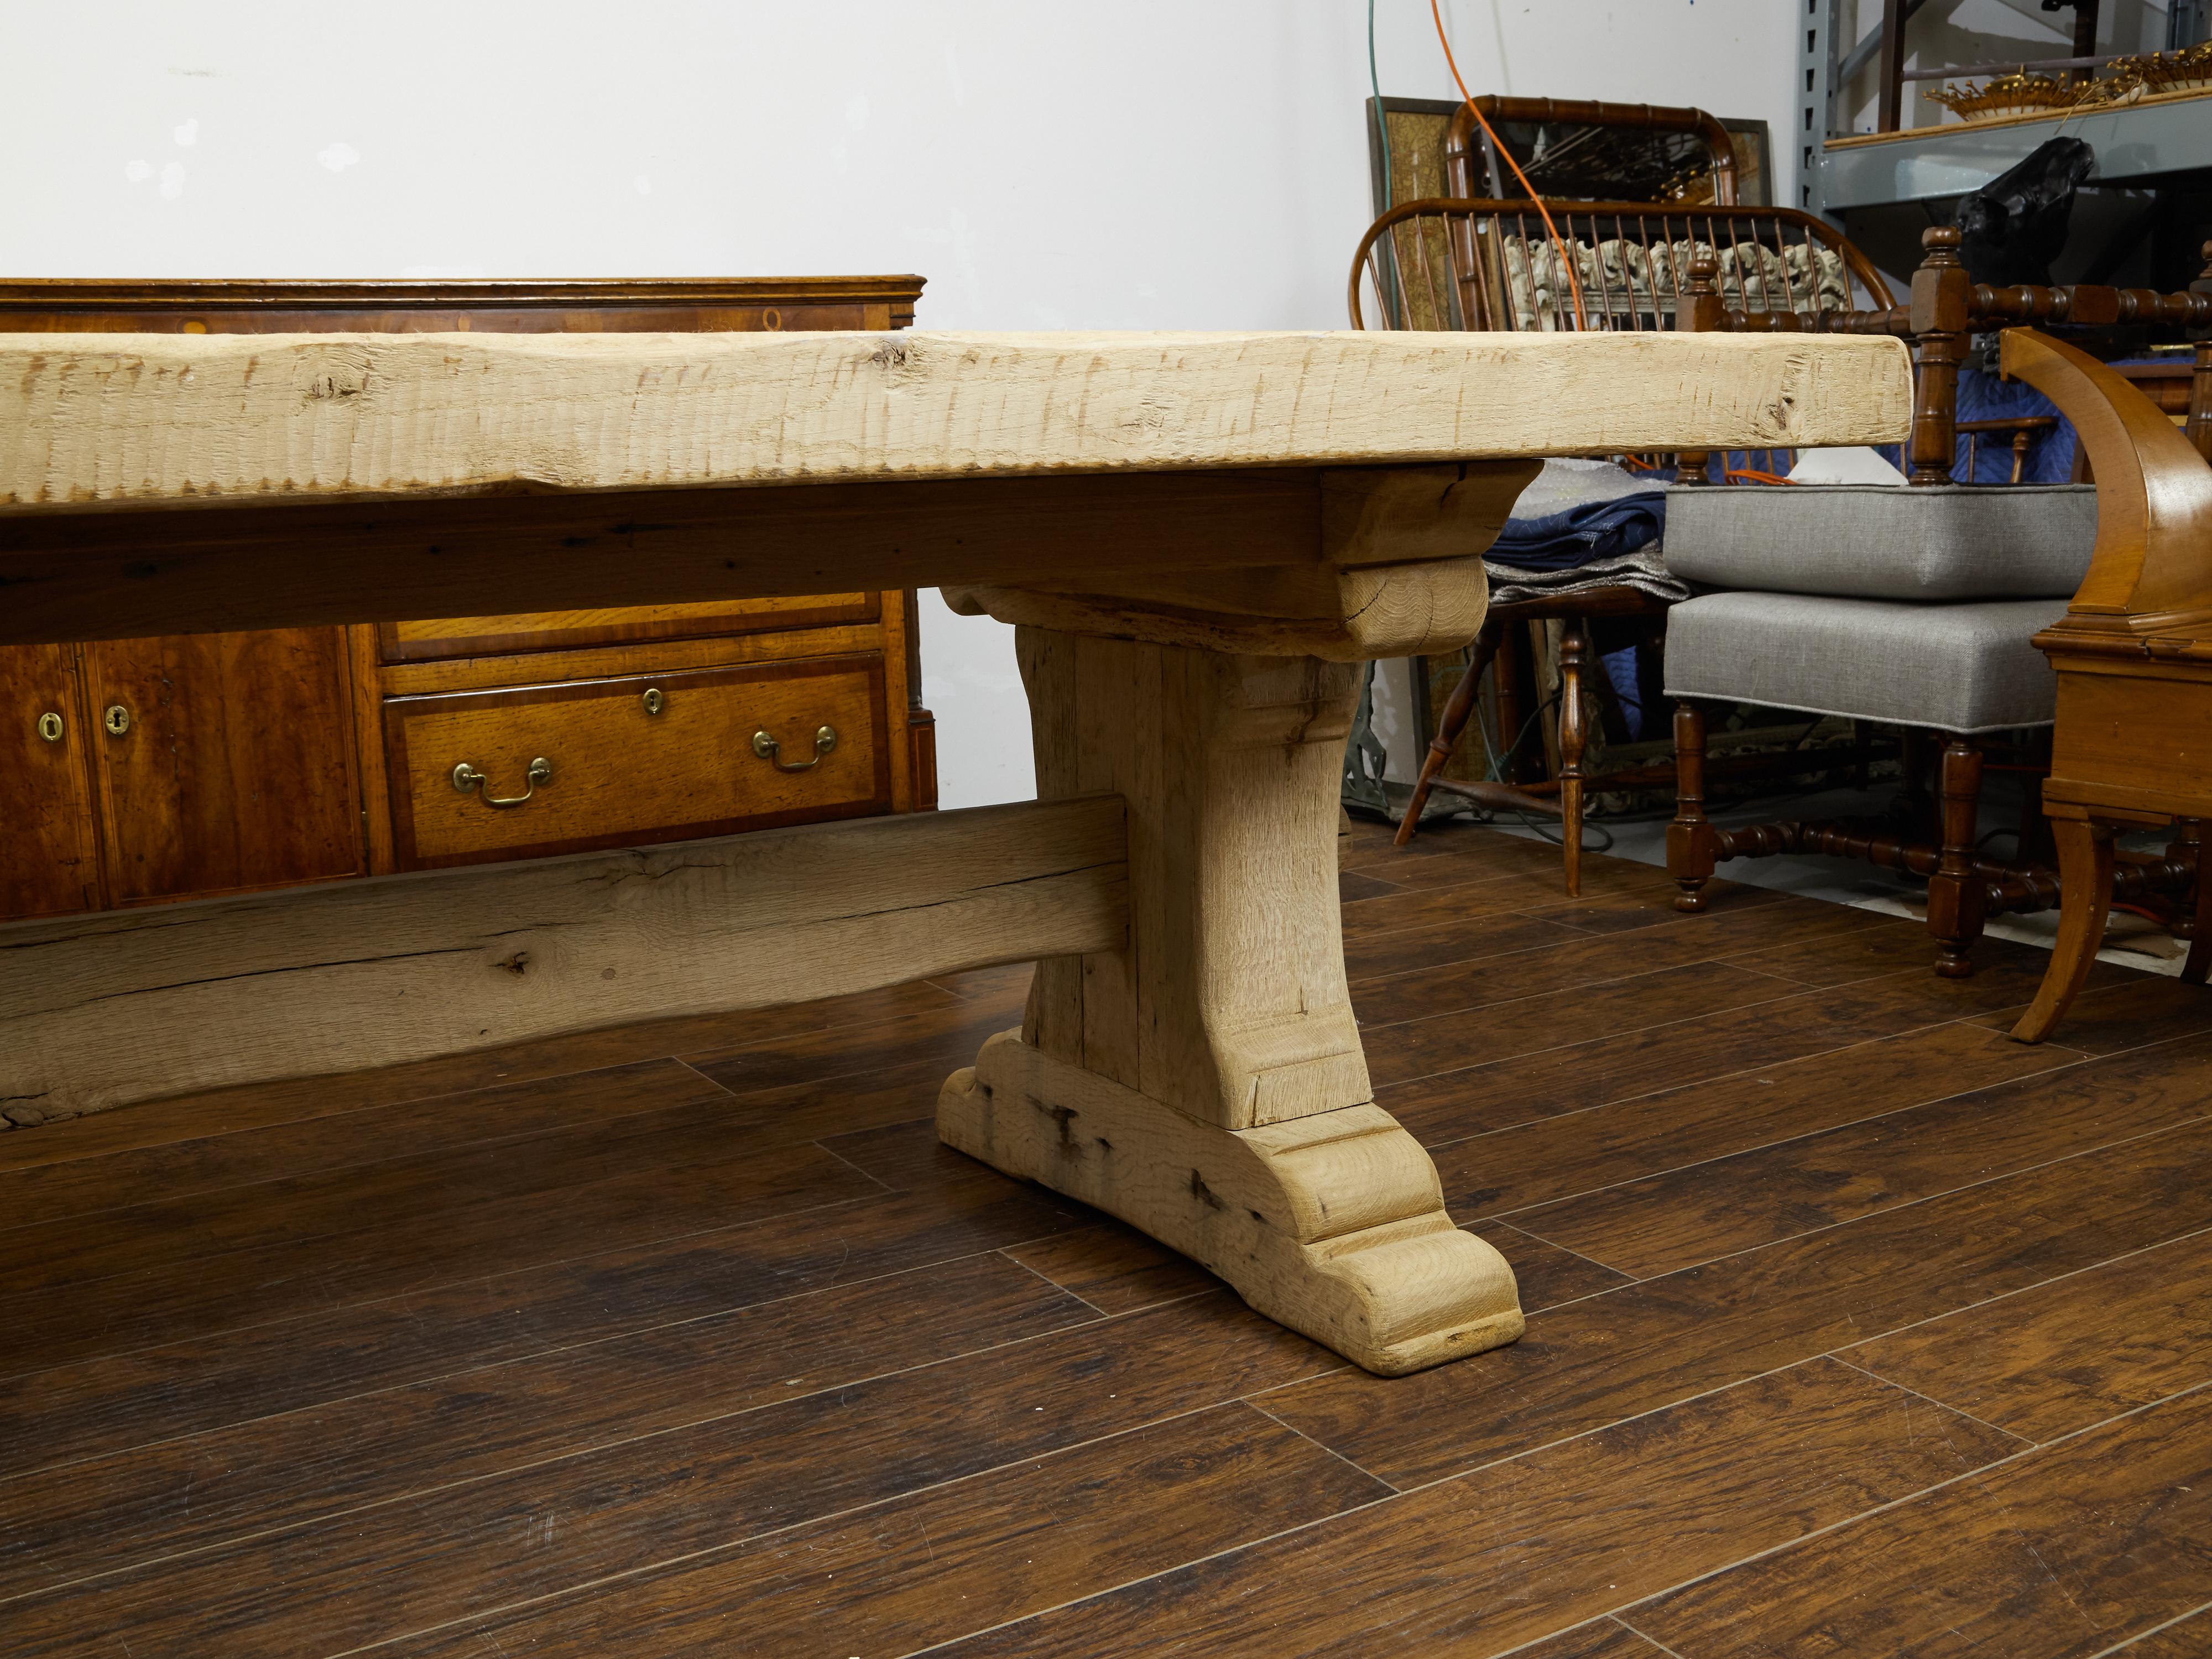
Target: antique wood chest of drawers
x: 139, y: 771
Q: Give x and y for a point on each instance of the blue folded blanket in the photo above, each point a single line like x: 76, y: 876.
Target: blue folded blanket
x: 1579, y: 534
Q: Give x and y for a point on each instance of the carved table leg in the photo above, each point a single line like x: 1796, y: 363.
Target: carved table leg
x: 2085, y: 900
x: 1206, y: 1083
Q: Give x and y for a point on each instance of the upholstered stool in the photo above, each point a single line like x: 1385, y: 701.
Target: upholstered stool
x: 1914, y: 607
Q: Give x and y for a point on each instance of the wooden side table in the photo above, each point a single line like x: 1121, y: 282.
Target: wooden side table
x: 1199, y: 537
x: 2133, y: 743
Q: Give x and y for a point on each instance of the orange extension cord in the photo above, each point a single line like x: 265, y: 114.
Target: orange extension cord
x: 1559, y: 246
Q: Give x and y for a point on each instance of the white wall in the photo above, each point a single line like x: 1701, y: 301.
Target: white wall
x: 1140, y: 164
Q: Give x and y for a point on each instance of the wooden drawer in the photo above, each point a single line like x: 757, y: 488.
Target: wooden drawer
x: 561, y: 630
x: 619, y: 776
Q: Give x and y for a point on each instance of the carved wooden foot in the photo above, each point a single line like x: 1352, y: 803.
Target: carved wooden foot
x: 1206, y: 1082
x: 1332, y: 1225
x: 2085, y: 901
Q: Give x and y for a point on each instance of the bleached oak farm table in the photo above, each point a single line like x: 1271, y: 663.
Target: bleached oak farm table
x: 1198, y: 538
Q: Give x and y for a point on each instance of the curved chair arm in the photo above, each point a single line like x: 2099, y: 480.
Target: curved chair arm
x: 2151, y: 570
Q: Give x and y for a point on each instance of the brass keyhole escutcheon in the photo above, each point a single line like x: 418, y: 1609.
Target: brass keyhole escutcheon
x: 653, y: 700
x: 117, y: 719
x: 49, y: 728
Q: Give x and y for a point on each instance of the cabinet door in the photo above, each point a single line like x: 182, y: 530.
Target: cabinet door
x: 224, y: 761
x: 49, y: 859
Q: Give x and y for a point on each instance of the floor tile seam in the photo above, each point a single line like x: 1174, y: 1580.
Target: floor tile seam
x: 1741, y: 1151
x: 1983, y: 1471
x: 306, y: 1241
x: 689, y: 1558
x: 318, y: 1117
x: 821, y: 1144
x: 1536, y: 906
x: 1856, y: 1041
x: 1494, y: 956
x: 415, y: 1494
x: 1922, y: 1394
x: 1505, y: 960
x: 1616, y: 981
x: 581, y: 1134
x: 1696, y: 1395
x: 1407, y: 1492
x: 1818, y: 984
x: 2026, y: 1289
x: 1042, y: 1279
x: 1225, y: 1550
x: 1630, y: 1100
x: 534, y: 1356
x: 1440, y: 887
x: 1576, y: 935
x: 2140, y: 1048
x: 580, y: 1127
x: 1565, y: 1249
x: 1389, y: 1488
x: 2126, y: 1643
x: 1521, y: 1057
x: 1644, y: 1636
x: 439, y: 1288
x: 1689, y: 1399
x: 1888, y: 1210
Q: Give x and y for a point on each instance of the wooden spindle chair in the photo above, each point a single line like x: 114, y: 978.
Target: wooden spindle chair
x: 1490, y: 264
x: 1946, y: 310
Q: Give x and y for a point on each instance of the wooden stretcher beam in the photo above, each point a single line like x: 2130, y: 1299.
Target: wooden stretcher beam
x: 133, y: 1005
x: 115, y: 574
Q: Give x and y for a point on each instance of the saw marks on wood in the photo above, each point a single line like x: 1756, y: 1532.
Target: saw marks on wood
x: 167, y: 417
x: 1866, y: 1332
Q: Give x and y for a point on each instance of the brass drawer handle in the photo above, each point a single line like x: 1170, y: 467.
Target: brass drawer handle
x: 826, y: 739
x: 469, y: 780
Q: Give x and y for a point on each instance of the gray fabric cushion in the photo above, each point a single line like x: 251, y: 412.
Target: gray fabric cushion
x: 1885, y: 542
x: 1954, y: 667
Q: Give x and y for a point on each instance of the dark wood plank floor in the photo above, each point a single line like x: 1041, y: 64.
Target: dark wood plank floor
x: 1856, y: 1328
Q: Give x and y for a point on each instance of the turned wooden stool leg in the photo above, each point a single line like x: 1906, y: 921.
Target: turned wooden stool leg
x: 2200, y: 937
x: 1459, y: 709
x: 2085, y: 901
x: 2187, y: 846
x: 1956, y: 895
x: 1574, y: 737
x: 1511, y: 652
x: 1205, y: 1083
x: 1690, y: 838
